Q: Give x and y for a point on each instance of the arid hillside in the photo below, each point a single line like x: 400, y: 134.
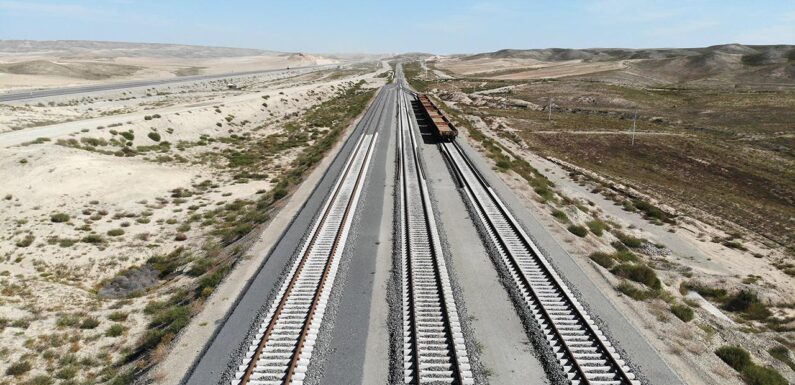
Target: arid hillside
x: 727, y: 64
x: 685, y: 156
x: 28, y: 64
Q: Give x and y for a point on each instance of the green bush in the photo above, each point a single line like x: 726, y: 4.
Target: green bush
x: 544, y: 192
x: 115, y: 232
x: 118, y: 316
x: 212, y: 280
x: 503, y: 165
x: 41, y: 379
x: 740, y: 360
x: 89, y: 323
x: 705, y: 291
x: 93, y: 239
x: 631, y: 291
x: 66, y: 373
x: 597, y: 227
x: 762, y: 375
x: 172, y: 319
x: 734, y: 245
x: 115, y: 330
x: 279, y: 193
x: 154, y: 136
x: 19, y: 368
x: 629, y: 240
x: 683, y: 312
x: 127, y: 135
x: 200, y: 267
x: 748, y: 304
x: 167, y: 264
x: 560, y: 215
x: 638, y: 273
x: 59, y: 217
x: 579, y: 231
x: 735, y: 356
x: 603, y: 259
x: 26, y: 241
x: 626, y: 256
x: 781, y: 353
x: 67, y: 321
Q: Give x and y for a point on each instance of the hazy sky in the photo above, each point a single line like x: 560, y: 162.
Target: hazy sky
x: 438, y: 26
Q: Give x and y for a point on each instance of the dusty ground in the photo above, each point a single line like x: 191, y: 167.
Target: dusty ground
x: 519, y: 69
x: 120, y: 205
x: 689, y: 237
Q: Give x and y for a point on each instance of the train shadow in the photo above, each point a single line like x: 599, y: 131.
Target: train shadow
x: 426, y: 127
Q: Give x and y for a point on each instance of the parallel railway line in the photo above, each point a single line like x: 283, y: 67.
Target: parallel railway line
x: 434, y: 350
x: 282, y: 347
x: 583, y: 352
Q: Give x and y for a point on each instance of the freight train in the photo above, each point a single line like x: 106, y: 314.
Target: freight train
x: 442, y: 126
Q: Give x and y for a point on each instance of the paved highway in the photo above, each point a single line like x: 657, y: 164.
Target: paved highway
x: 44, y: 93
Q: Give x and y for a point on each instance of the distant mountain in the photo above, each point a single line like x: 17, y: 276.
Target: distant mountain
x: 106, y: 49
x: 762, y: 54
x: 729, y: 63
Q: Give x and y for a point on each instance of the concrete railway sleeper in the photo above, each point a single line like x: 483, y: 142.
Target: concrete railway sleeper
x: 434, y: 350
x: 583, y: 352
x: 282, y: 346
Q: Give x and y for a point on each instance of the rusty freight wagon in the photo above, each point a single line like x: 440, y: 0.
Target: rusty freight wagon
x: 439, y: 123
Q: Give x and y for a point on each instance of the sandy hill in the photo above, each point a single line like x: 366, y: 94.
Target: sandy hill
x: 28, y: 63
x: 106, y: 49
x: 729, y: 62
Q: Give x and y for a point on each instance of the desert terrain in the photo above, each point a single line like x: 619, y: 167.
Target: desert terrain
x: 123, y: 210
x: 33, y: 64
x: 687, y: 219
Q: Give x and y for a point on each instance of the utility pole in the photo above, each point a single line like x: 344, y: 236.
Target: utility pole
x: 550, y: 108
x: 634, y: 125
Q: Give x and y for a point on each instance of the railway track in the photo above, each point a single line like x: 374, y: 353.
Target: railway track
x: 282, y: 346
x: 434, y: 350
x: 583, y: 353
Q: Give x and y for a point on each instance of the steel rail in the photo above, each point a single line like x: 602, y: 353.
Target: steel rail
x: 434, y: 350
x: 582, y: 350
x: 301, y: 300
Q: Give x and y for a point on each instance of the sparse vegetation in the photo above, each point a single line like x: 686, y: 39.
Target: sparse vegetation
x: 597, y: 227
x: 127, y: 135
x: 154, y: 136
x: 629, y: 240
x: 115, y: 232
x: 782, y: 354
x: 579, y: 231
x: 18, y: 368
x: 93, y: 239
x: 638, y: 273
x: 740, y: 360
x: 115, y: 330
x: 748, y: 304
x: 683, y: 312
x: 26, y: 241
x: 560, y: 215
x: 633, y: 292
x: 59, y: 218
x: 734, y: 356
x: 602, y: 259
